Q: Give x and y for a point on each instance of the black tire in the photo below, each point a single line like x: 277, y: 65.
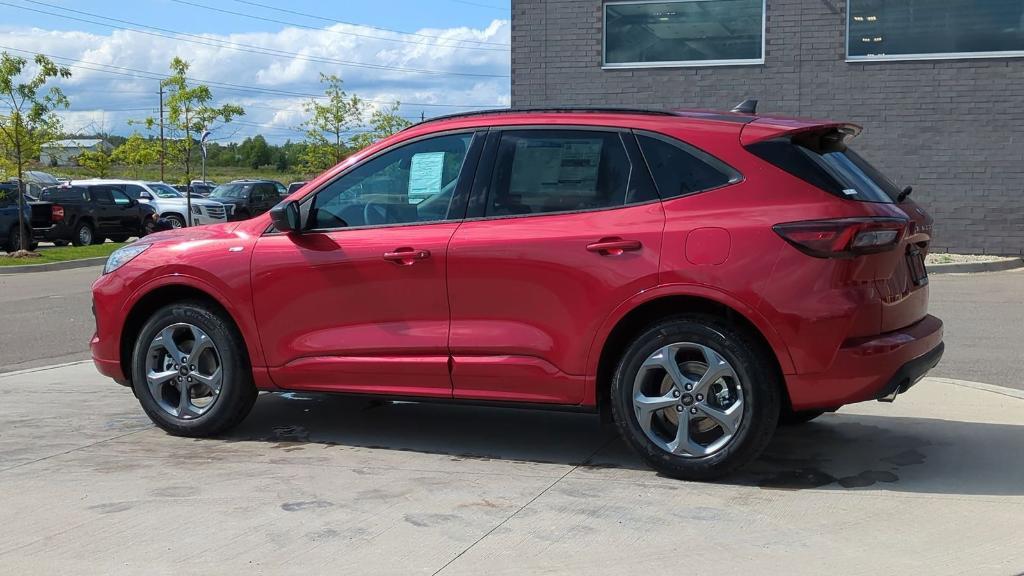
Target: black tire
x: 83, y: 235
x: 237, y: 393
x: 60, y: 242
x: 13, y: 241
x: 97, y: 240
x: 176, y: 221
x: 119, y: 238
x: 789, y: 417
x: 757, y: 379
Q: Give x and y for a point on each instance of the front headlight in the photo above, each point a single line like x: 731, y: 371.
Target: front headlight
x: 122, y: 256
x: 196, y: 209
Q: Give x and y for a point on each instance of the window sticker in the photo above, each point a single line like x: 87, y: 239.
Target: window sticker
x: 425, y: 176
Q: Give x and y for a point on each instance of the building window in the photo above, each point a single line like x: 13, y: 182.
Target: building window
x: 932, y: 29
x: 683, y: 33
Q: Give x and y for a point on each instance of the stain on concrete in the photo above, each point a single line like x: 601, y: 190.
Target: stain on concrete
x: 173, y: 492
x: 906, y: 458
x: 427, y: 520
x: 800, y: 479
x: 867, y: 478
x: 112, y: 507
x: 305, y: 505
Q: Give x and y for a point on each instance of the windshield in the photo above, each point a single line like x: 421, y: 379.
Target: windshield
x: 163, y: 190
x: 240, y: 191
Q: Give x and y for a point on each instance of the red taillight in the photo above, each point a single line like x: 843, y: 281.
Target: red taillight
x: 56, y: 213
x: 843, y: 237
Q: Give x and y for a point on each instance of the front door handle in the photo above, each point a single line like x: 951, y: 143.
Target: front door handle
x: 406, y: 256
x: 614, y: 246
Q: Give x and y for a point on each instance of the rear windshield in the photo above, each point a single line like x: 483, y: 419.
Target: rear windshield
x: 238, y: 191
x: 833, y: 167
x: 62, y: 194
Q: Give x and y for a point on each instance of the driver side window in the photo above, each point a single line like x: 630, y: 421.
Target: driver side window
x: 413, y: 183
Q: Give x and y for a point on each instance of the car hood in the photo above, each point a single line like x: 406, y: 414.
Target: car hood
x: 195, y: 234
x: 182, y: 201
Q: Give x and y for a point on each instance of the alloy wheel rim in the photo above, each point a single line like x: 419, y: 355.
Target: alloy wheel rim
x: 184, y: 371
x: 688, y: 400
x: 175, y: 223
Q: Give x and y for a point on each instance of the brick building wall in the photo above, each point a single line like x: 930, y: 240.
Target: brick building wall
x: 954, y: 129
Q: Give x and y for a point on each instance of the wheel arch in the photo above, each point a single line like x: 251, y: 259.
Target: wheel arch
x: 160, y: 296
x: 631, y: 318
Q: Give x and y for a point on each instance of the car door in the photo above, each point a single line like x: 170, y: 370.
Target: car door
x: 129, y: 220
x: 106, y: 213
x: 264, y: 197
x: 358, y: 302
x: 565, y: 227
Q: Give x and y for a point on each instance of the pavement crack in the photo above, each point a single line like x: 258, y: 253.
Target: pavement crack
x: 527, y: 504
x: 96, y: 443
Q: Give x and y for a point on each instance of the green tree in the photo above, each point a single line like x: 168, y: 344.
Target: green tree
x: 383, y: 123
x: 27, y: 118
x: 95, y: 162
x: 256, y: 151
x: 136, y: 153
x: 189, y: 112
x: 329, y: 124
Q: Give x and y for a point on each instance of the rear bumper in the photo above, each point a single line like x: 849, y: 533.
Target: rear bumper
x: 871, y: 368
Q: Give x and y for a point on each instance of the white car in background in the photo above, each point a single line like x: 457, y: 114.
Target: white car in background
x: 170, y: 203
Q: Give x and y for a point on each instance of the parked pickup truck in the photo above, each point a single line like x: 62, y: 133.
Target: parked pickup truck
x: 90, y: 213
x: 10, y: 240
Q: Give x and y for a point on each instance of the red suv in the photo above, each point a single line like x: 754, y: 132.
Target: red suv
x: 698, y: 276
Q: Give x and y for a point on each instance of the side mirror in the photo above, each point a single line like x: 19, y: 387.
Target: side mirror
x: 286, y: 217
x: 145, y: 196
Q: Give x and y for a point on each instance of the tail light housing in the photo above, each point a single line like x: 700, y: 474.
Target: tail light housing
x: 843, y: 237
x: 56, y: 213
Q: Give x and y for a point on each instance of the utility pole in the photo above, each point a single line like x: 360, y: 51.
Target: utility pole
x: 163, y: 148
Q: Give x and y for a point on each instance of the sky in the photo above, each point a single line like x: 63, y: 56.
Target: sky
x: 434, y: 56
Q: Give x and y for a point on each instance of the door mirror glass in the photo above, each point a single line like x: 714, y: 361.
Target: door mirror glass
x: 144, y: 195
x: 287, y: 217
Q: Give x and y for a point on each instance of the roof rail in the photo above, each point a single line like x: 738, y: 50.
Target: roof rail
x: 545, y: 109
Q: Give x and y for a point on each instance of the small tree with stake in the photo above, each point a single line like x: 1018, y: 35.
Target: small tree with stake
x: 27, y: 119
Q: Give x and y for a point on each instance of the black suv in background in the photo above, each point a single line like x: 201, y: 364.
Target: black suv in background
x: 89, y: 214
x: 244, y: 199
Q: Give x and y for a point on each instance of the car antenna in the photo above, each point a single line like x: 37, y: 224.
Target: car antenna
x: 748, y: 106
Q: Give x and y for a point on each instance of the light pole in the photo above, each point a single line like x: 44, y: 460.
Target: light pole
x: 188, y: 190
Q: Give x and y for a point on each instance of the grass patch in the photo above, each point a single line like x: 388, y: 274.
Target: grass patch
x: 63, y: 254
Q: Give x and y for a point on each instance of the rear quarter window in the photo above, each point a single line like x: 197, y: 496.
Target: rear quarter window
x: 834, y: 168
x: 679, y: 169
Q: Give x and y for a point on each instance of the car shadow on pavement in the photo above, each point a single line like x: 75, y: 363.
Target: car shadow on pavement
x: 836, y: 452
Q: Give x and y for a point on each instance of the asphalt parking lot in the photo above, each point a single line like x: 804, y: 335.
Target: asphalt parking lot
x: 315, y: 483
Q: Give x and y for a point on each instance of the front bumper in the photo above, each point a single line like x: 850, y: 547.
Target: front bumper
x: 871, y: 368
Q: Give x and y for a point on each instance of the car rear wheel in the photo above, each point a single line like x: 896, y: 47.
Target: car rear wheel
x: 175, y: 221
x: 190, y: 372
x: 695, y: 397
x: 83, y: 235
x: 13, y: 240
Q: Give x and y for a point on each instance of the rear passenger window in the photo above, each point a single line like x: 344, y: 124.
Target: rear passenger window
x: 545, y: 171
x: 679, y: 169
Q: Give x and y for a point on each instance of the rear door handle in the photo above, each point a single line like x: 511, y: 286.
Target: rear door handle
x: 406, y: 256
x: 614, y: 246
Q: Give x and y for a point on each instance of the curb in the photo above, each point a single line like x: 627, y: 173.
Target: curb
x: 964, y: 267
x: 1001, y: 390
x: 51, y: 266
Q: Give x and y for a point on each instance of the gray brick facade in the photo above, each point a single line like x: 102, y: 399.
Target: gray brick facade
x: 954, y: 129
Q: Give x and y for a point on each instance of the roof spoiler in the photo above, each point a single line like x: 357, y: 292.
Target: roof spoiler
x: 748, y: 106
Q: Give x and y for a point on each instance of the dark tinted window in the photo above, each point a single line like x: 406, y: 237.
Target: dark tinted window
x: 834, y: 168
x: 544, y: 171
x: 679, y: 169
x: 102, y: 195
x: 73, y: 194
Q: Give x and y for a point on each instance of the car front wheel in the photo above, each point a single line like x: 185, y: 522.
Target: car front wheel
x: 190, y: 372
x: 696, y: 397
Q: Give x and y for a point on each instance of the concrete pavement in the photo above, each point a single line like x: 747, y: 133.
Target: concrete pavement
x: 318, y: 484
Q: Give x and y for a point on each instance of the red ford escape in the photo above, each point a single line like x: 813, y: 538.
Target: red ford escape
x: 701, y: 276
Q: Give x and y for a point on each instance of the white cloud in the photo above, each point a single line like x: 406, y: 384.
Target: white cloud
x: 106, y: 92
